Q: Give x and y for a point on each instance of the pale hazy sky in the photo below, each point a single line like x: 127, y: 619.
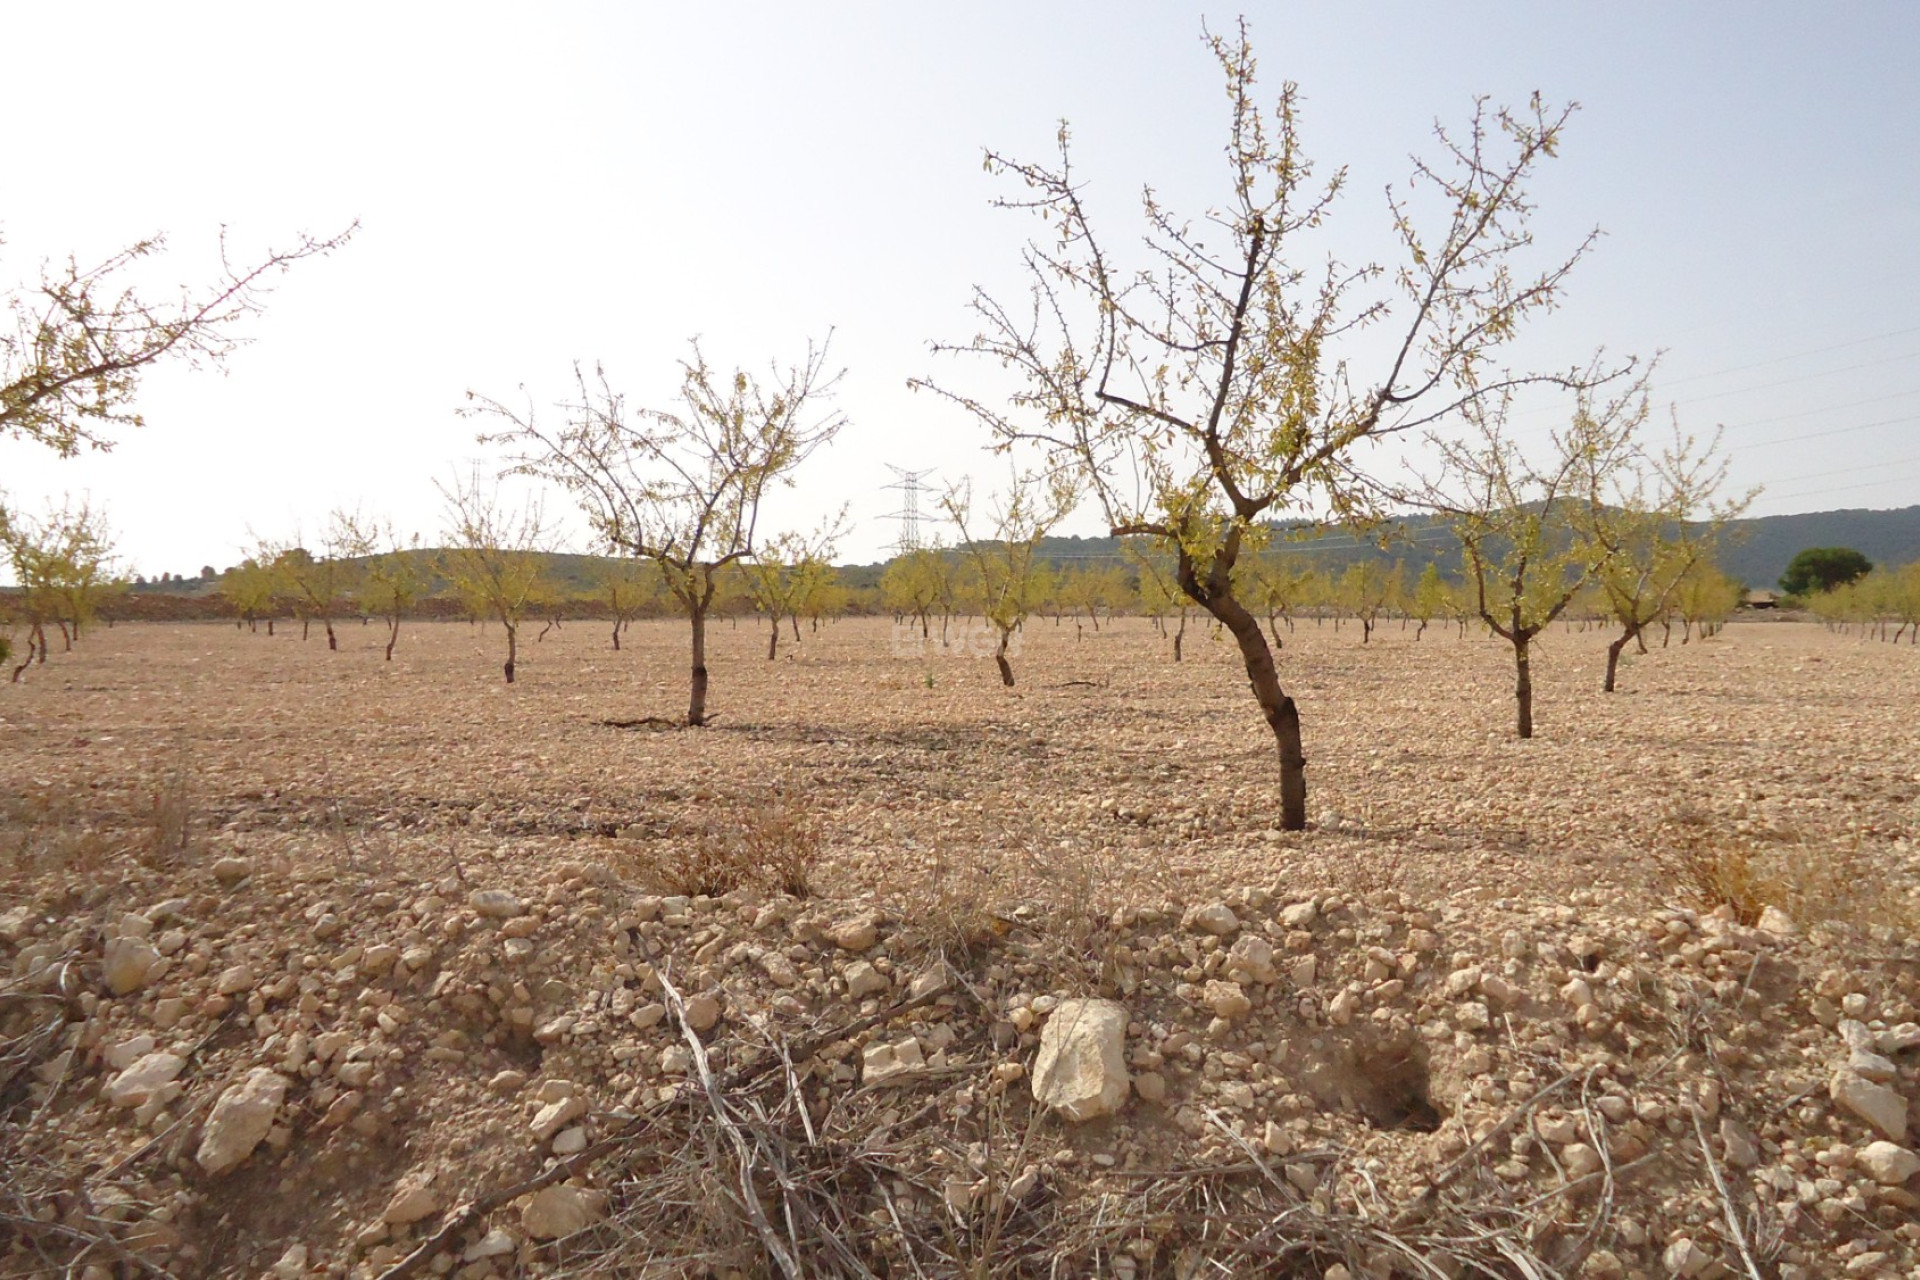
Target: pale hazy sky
x: 540, y: 183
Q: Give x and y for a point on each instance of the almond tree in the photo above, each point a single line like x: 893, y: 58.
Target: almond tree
x: 320, y: 584
x: 62, y: 565
x: 1214, y: 388
x: 627, y: 587
x: 1526, y: 527
x: 1661, y: 524
x: 911, y: 586
x: 394, y: 581
x: 1010, y: 581
x: 82, y: 338
x: 495, y: 557
x: 786, y: 571
x: 683, y: 488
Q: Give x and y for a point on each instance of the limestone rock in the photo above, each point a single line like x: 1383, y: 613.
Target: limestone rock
x: 1684, y: 1259
x: 1217, y: 919
x: 1300, y: 915
x: 702, y: 1012
x: 557, y: 1115
x: 1878, y: 1105
x: 231, y: 871
x: 1887, y: 1163
x: 240, y: 1119
x: 496, y: 904
x: 148, y: 1077
x: 560, y: 1211
x: 856, y: 933
x: 864, y: 980
x: 129, y: 964
x: 1251, y: 960
x: 1228, y: 999
x: 412, y: 1200
x: 1081, y: 1071
x: 1776, y: 922
x: 884, y: 1064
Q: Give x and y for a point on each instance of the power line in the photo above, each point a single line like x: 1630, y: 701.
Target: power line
x: 1794, y: 355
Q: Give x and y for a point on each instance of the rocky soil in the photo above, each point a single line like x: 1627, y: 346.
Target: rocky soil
x: 312, y: 965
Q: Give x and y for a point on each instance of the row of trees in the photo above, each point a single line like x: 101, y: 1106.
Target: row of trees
x: 1882, y: 602
x: 1233, y: 374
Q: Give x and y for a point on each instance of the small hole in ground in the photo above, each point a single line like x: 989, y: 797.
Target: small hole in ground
x: 1400, y: 1097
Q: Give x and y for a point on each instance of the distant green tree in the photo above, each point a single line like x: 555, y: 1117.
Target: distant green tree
x: 1823, y: 569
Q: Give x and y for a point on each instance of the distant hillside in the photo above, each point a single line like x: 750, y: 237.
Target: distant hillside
x: 1756, y: 553
x: 1763, y: 546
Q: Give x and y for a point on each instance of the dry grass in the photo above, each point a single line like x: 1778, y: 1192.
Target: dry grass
x: 770, y: 842
x: 1816, y: 882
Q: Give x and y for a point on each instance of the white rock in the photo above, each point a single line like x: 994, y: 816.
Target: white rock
x: 1300, y: 915
x: 1304, y: 970
x: 146, y: 1078
x: 496, y: 1243
x: 1251, y: 960
x: 231, y: 871
x: 233, y: 981
x: 292, y: 1264
x: 888, y: 1064
x: 1081, y: 1071
x: 1887, y: 1163
x: 1684, y: 1259
x: 556, y: 1116
x: 561, y: 1211
x: 856, y: 933
x: 240, y: 1120
x: 1878, y: 1105
x: 570, y: 1141
x: 1217, y: 919
x: 1899, y: 1039
x: 496, y: 904
x: 1227, y: 999
x: 129, y: 964
x: 864, y: 980
x: 412, y: 1200
x: 1341, y: 1008
x: 129, y: 1051
x: 1776, y: 922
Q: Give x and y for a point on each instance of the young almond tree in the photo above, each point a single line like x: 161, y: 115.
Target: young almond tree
x: 680, y: 488
x: 495, y: 558
x: 395, y: 580
x: 1661, y: 523
x: 627, y: 586
x: 62, y: 565
x: 1010, y: 581
x: 1221, y: 384
x: 1526, y: 527
x: 786, y: 572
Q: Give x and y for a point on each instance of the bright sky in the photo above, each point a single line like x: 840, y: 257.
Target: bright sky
x: 543, y: 183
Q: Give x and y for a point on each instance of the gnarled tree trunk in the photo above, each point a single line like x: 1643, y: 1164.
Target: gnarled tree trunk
x: 697, y: 691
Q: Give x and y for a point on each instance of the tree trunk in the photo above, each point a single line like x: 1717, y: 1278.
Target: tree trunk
x: 1281, y: 715
x: 306, y: 627
x: 793, y: 618
x: 1179, y: 637
x: 773, y: 638
x: 393, y: 635
x: 513, y: 648
x: 1613, y: 657
x: 1366, y: 630
x: 1000, y: 658
x: 1523, y: 681
x: 333, y: 645
x: 616, y: 633
x: 269, y: 626
x: 697, y: 686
